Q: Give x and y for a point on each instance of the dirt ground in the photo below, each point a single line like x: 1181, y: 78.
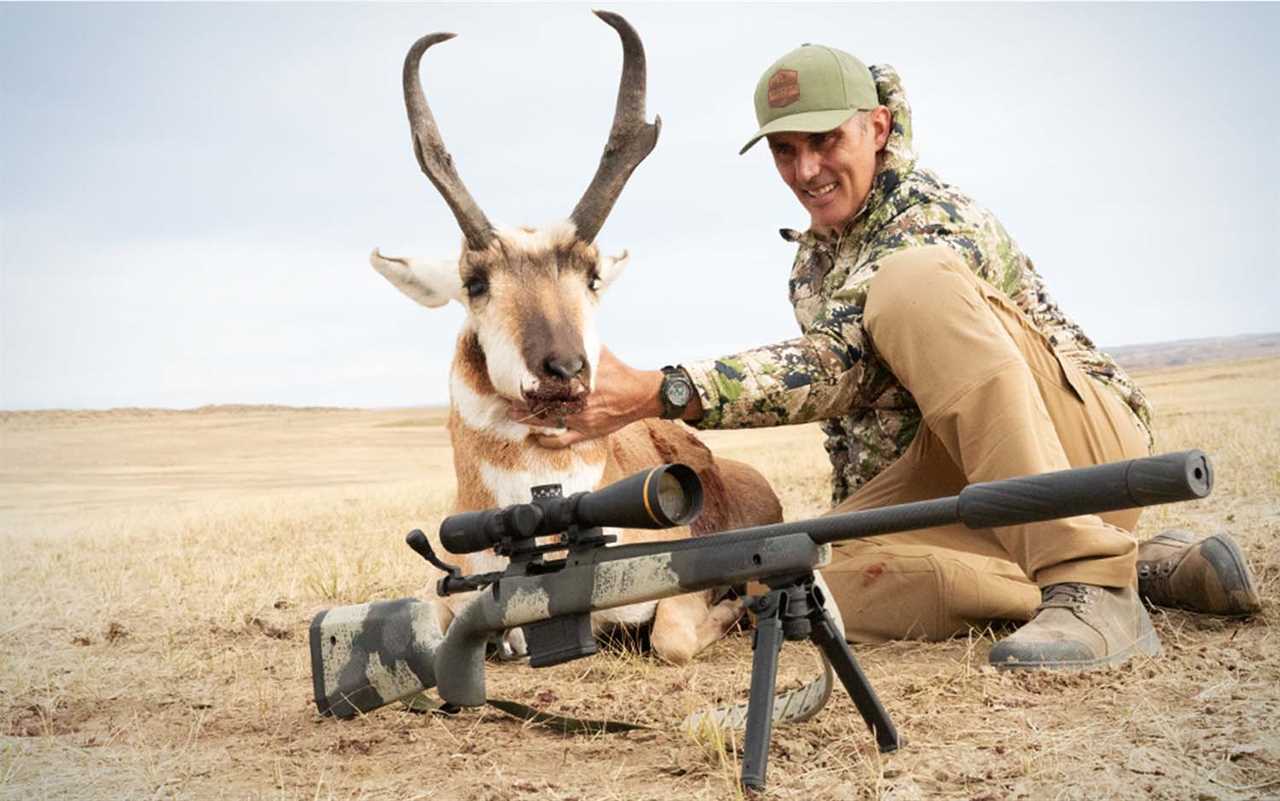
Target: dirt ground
x: 159, y: 570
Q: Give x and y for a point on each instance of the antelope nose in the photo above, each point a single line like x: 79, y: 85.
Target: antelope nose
x: 563, y: 368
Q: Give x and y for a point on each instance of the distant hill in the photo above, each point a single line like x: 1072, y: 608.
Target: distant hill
x: 1152, y: 356
x: 1193, y: 351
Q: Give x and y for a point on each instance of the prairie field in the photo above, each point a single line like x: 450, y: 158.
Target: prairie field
x: 159, y: 570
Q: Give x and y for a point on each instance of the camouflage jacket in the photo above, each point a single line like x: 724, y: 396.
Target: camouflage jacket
x: 832, y: 373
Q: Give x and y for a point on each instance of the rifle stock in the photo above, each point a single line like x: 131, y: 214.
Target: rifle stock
x: 366, y: 656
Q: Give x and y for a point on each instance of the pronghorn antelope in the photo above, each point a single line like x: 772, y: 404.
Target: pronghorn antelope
x: 530, y: 336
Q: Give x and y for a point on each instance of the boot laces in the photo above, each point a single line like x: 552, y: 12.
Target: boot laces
x: 1068, y: 595
x: 1154, y: 579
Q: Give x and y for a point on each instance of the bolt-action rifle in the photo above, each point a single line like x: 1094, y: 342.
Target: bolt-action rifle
x: 366, y: 656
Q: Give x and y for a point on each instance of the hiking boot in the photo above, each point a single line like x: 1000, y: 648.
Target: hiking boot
x: 1079, y: 627
x: 1210, y: 574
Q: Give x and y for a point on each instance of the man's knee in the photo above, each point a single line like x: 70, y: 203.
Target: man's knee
x: 889, y: 591
x: 912, y: 285
x: 888, y: 596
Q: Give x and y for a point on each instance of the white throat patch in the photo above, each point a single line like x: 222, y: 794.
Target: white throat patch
x: 510, y: 486
x: 487, y: 413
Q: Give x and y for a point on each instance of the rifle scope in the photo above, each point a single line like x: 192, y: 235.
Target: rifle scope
x: 666, y: 496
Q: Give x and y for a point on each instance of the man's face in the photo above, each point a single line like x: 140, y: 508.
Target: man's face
x: 830, y: 173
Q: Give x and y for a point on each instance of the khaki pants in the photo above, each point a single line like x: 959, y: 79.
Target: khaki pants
x: 997, y: 402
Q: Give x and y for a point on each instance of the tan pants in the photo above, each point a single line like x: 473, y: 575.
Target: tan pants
x: 997, y: 402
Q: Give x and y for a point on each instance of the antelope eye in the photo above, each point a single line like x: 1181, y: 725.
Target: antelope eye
x: 594, y: 283
x: 476, y: 287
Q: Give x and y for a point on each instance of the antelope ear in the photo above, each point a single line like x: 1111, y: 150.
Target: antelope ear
x: 610, y: 267
x: 431, y: 283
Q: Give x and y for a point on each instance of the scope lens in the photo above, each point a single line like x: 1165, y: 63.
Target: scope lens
x: 672, y: 498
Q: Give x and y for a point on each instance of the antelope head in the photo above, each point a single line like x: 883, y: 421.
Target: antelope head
x: 530, y: 295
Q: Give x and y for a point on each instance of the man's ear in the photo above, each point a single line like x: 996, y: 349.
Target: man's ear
x: 431, y: 283
x: 882, y: 124
x: 610, y: 267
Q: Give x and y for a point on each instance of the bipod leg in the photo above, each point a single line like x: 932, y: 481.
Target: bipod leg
x: 854, y: 680
x: 766, y: 643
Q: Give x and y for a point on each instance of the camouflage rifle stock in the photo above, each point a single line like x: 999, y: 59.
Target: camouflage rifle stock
x: 366, y: 656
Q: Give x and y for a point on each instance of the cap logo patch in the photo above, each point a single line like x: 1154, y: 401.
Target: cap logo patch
x: 784, y: 88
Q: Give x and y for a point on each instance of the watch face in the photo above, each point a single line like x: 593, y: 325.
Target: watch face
x: 678, y: 393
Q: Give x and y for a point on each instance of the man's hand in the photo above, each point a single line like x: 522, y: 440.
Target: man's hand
x: 622, y: 395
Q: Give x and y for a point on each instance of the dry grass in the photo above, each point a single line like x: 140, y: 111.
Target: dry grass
x: 159, y: 571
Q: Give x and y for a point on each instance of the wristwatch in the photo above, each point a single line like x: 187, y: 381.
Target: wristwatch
x: 677, y: 391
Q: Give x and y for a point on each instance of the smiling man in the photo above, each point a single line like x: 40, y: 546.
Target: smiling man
x: 934, y: 357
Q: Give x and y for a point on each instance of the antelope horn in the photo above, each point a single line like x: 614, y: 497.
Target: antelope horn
x: 630, y: 139
x: 435, y: 161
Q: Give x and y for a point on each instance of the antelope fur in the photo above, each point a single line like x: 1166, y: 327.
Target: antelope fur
x: 497, y: 459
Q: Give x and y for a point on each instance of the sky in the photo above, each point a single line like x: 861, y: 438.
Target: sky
x: 189, y: 193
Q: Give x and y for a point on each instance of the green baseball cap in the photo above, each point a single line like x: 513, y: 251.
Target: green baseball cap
x: 812, y: 89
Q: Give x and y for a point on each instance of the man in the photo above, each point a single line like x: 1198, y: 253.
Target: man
x: 934, y: 357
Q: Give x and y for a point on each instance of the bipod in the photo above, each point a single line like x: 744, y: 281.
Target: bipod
x: 794, y: 609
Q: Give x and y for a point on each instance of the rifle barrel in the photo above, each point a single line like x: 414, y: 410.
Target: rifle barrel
x: 1180, y: 476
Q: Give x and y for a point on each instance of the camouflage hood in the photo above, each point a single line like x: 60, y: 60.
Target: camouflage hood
x: 898, y: 158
